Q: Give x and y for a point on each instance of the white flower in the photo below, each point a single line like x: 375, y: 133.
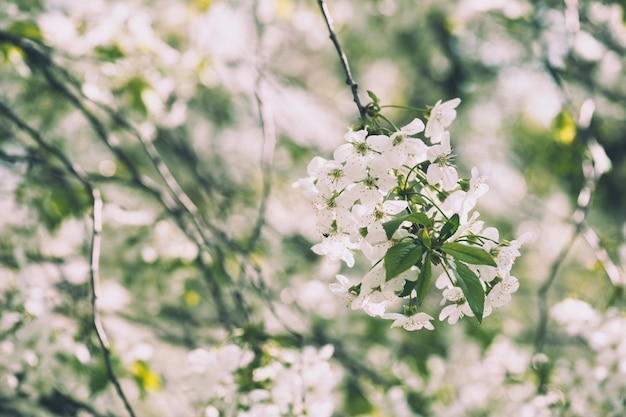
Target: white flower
x: 493, y: 235
x: 454, y: 312
x: 343, y: 289
x: 371, y: 300
x: 500, y: 294
x: 459, y: 306
x: 441, y: 116
x: 416, y: 126
x: 507, y: 254
x: 330, y: 173
x: 575, y: 315
x: 356, y: 154
x: 398, y: 149
x: 471, y: 226
x: 441, y: 168
x: 443, y: 281
x: 308, y: 187
x: 414, y: 322
x: 382, y: 212
x: 462, y: 202
x: 371, y: 190
x: 477, y: 187
x: 374, y: 308
x: 375, y: 244
x: 336, y: 248
x: 454, y: 294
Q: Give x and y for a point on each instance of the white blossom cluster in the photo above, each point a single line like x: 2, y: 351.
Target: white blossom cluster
x: 295, y: 384
x: 283, y: 382
x: 380, y: 175
x: 587, y: 377
x: 595, y: 381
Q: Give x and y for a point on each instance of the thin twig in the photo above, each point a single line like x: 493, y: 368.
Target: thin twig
x: 176, y: 202
x: 342, y: 57
x: 94, y: 193
x: 542, y: 301
x: 96, y: 241
x: 616, y: 276
x: 224, y: 315
x: 38, y: 57
x: 579, y: 215
x: 268, y: 143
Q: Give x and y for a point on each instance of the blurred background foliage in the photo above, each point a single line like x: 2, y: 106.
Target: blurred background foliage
x: 194, y: 117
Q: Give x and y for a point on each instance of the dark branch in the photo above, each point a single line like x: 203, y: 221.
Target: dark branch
x: 82, y: 177
x: 342, y: 57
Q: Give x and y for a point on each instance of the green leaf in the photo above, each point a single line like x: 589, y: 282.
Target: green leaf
x: 467, y: 280
x: 98, y: 378
x: 392, y: 225
x: 372, y: 96
x: 426, y: 238
x: 26, y: 28
x: 424, y: 278
x: 109, y: 53
x: 145, y: 378
x: 408, y: 287
x: 133, y: 90
x: 449, y: 228
x: 401, y: 257
x: 470, y: 254
x: 564, y: 127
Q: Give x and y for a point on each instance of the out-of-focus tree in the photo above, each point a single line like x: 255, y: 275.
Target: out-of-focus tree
x: 155, y: 259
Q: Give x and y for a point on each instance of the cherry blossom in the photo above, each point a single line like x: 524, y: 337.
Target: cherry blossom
x: 399, y: 202
x: 414, y: 322
x: 441, y: 168
x: 441, y: 116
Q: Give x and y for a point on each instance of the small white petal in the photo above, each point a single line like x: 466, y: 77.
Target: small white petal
x: 394, y: 207
x: 416, y: 126
x: 450, y: 177
x: 343, y: 152
x: 355, y: 136
x: 433, y: 174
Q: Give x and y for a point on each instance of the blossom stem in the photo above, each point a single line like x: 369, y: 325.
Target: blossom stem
x: 395, y: 106
x: 445, y: 266
x: 389, y: 121
x: 430, y: 200
x: 418, y: 173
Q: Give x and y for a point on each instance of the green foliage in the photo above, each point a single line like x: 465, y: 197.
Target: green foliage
x: 401, y: 257
x: 467, y: 280
x: 215, y: 103
x: 132, y: 91
x: 109, y: 53
x: 356, y: 401
x: 564, y: 127
x: 418, y: 218
x: 26, y: 28
x: 53, y: 196
x: 269, y: 292
x: 423, y: 279
x: 98, y: 378
x: 469, y: 254
x: 145, y: 378
x: 449, y: 228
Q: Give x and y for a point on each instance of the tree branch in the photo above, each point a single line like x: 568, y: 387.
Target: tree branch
x: 96, y: 199
x: 96, y: 239
x: 342, y: 57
